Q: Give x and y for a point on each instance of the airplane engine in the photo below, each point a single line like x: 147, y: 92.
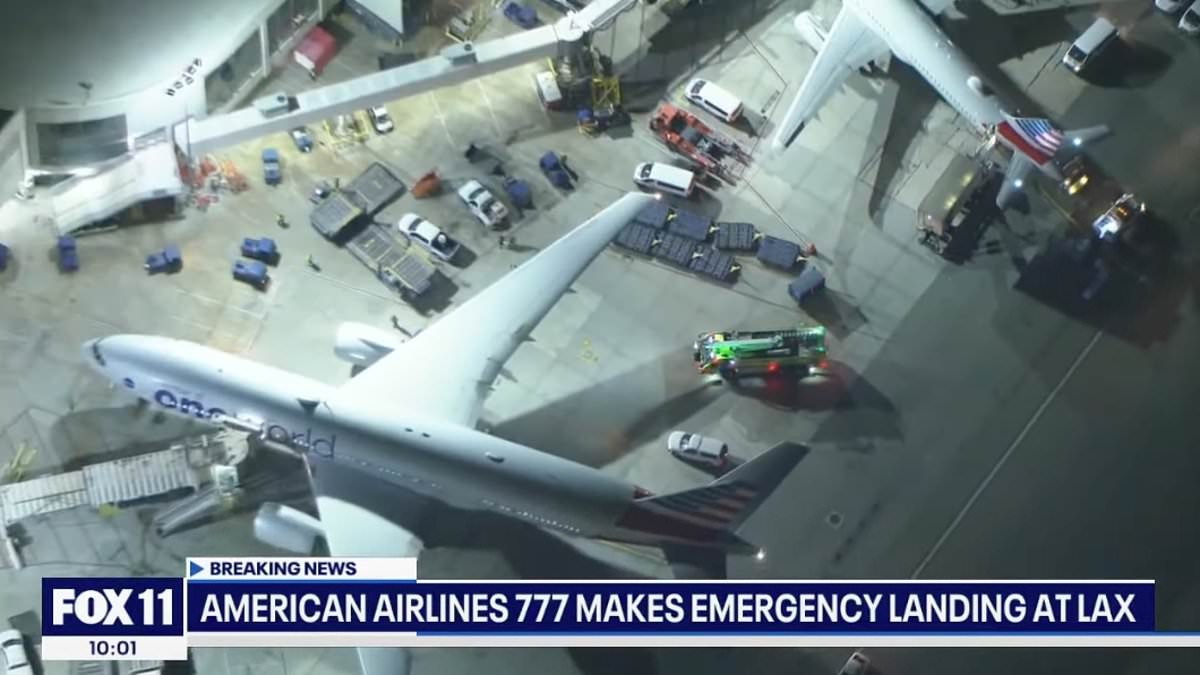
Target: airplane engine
x: 287, y: 528
x: 363, y: 345
x: 812, y: 29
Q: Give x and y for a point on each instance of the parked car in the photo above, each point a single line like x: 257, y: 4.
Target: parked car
x: 302, y: 139
x: 483, y: 204
x: 380, y: 119
x: 12, y: 651
x: 857, y: 664
x: 272, y: 173
x: 429, y: 236
x: 697, y: 448
x: 320, y: 191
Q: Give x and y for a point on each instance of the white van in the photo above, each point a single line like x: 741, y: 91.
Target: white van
x: 665, y: 178
x: 714, y: 99
x: 1093, y: 41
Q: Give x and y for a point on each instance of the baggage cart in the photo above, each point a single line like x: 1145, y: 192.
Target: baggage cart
x: 167, y: 260
x: 735, y: 237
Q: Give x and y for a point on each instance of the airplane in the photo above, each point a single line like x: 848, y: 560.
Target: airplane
x: 409, y: 419
x: 864, y: 31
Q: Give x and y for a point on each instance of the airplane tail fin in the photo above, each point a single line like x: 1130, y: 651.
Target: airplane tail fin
x: 722, y: 506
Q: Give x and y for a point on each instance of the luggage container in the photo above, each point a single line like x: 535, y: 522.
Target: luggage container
x: 556, y: 170
x: 637, y: 238
x: 654, y: 215
x: 690, y: 225
x: 714, y: 264
x: 675, y: 249
x: 809, y: 281
x: 735, y: 237
x: 779, y: 253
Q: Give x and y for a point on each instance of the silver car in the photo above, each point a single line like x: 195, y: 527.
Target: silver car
x: 696, y: 448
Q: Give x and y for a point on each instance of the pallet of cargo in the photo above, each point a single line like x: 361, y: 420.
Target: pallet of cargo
x: 691, y: 225
x: 778, y: 253
x: 392, y: 261
x: 714, y: 264
x: 675, y: 249
x: 637, y: 238
x: 654, y: 215
x: 333, y: 215
x: 374, y: 188
x: 735, y: 237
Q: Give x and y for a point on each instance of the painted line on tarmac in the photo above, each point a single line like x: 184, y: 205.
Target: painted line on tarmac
x: 987, y: 480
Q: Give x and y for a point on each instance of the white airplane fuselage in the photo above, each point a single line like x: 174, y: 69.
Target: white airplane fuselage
x: 915, y: 39
x: 451, y: 463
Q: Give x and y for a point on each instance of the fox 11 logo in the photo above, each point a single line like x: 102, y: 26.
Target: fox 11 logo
x: 112, y: 606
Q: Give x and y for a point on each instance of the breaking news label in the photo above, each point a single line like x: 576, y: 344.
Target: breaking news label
x: 379, y: 602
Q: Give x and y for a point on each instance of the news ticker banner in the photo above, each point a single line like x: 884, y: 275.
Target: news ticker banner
x: 376, y: 602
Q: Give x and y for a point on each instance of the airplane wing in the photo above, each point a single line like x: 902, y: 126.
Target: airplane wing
x: 849, y: 45
x: 352, y: 530
x: 447, y: 369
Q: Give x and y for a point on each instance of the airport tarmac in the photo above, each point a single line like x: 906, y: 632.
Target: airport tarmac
x: 939, y: 368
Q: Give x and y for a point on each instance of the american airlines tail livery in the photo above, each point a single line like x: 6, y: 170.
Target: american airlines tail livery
x: 865, y: 30
x: 409, y: 418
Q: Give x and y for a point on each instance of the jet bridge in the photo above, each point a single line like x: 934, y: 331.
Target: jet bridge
x: 453, y: 65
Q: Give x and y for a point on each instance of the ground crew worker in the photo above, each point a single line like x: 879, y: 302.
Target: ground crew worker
x: 280, y: 220
x: 313, y: 264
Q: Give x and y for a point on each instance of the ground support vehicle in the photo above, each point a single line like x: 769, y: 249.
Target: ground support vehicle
x: 68, y: 255
x: 272, y: 174
x: 685, y: 134
x: 733, y: 354
x: 168, y: 259
x: 262, y: 249
x: 251, y: 272
x: 404, y: 269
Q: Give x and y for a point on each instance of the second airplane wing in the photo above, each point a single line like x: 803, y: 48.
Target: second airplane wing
x: 448, y: 369
x: 848, y: 46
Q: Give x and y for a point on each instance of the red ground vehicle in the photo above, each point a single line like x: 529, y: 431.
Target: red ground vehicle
x: 684, y: 133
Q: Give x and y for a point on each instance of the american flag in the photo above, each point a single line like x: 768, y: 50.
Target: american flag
x: 1040, y: 132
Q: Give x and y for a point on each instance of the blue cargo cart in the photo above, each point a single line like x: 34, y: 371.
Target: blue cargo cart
x: 68, y: 256
x: 556, y: 170
x: 522, y: 15
x: 167, y: 260
x: 519, y: 192
x: 261, y: 248
x: 271, y: 171
x: 809, y: 282
x: 252, y: 272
